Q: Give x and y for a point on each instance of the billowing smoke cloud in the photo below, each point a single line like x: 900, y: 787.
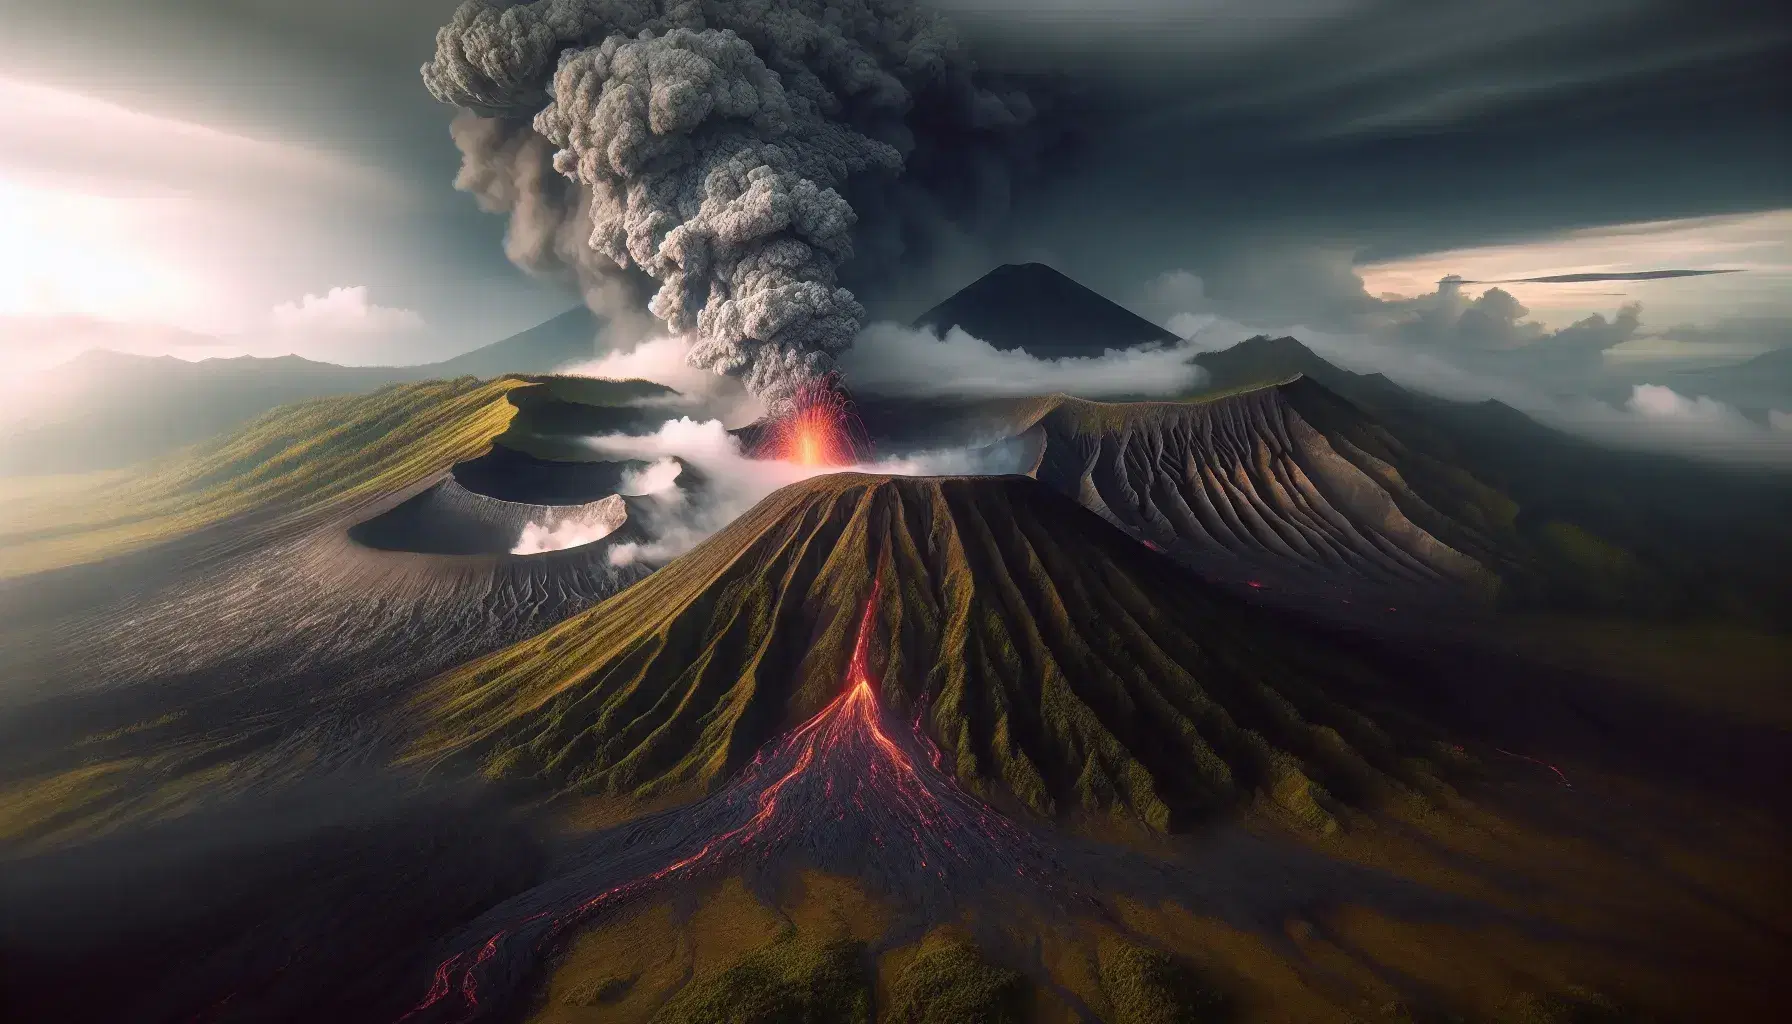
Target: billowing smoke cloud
x: 712, y: 146
x: 897, y: 360
x: 509, y: 169
x: 677, y: 517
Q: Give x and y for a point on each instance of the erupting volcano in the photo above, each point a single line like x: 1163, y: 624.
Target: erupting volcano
x: 840, y: 793
x: 819, y: 430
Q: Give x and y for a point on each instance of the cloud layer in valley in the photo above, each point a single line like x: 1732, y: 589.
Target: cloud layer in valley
x: 1651, y: 416
x: 891, y: 359
x: 679, y: 512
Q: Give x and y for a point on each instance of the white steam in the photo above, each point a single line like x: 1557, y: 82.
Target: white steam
x: 539, y: 538
x: 560, y: 528
x: 657, y: 477
x: 895, y: 360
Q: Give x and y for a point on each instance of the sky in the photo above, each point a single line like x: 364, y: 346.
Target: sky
x: 218, y: 177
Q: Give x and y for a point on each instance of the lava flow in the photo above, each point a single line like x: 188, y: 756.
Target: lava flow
x: 841, y: 793
x: 819, y: 430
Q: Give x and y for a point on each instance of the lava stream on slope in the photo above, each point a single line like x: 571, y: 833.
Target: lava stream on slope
x: 840, y: 793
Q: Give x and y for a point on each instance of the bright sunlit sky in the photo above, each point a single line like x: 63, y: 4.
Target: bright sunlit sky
x: 201, y: 177
x: 135, y: 229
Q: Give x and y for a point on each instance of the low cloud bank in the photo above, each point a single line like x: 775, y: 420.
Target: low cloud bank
x: 1656, y: 416
x: 890, y: 359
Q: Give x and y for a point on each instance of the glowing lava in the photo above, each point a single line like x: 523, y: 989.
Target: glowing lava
x: 820, y: 429
x: 839, y: 792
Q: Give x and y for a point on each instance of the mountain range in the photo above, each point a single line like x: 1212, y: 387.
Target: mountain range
x: 1225, y: 707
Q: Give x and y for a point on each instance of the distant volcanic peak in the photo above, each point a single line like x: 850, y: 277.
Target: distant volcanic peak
x: 1066, y: 668
x: 1033, y: 307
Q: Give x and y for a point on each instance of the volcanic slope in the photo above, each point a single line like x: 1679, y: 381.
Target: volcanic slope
x: 1288, y: 481
x: 1063, y: 668
x: 288, y: 578
x: 1285, y: 489
x: 1567, y: 524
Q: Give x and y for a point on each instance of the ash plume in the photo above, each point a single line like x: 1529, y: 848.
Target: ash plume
x: 725, y: 148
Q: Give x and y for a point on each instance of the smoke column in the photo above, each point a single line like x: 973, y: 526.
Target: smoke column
x: 712, y: 144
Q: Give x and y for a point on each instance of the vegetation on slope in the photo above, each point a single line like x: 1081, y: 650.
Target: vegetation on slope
x: 1061, y: 665
x: 792, y: 981
x: 303, y: 459
x: 949, y: 981
x: 1148, y: 986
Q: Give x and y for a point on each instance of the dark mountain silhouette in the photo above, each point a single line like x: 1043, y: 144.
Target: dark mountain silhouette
x: 1757, y: 385
x: 106, y: 409
x: 573, y: 336
x: 1033, y: 307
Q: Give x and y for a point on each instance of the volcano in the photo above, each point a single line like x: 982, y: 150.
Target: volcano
x: 1065, y: 670
x: 901, y: 680
x: 1033, y: 307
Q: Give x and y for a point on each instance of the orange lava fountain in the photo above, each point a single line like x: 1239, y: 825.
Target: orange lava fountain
x: 819, y: 430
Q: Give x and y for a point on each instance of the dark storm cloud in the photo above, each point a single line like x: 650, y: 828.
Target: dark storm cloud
x: 1394, y: 129
x: 1641, y: 275
x: 1228, y: 128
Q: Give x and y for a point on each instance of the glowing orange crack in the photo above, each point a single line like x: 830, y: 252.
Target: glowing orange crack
x: 853, y: 710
